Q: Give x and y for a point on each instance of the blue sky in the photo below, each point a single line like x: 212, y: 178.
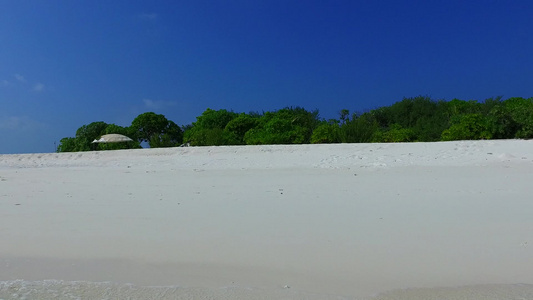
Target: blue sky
x: 67, y: 63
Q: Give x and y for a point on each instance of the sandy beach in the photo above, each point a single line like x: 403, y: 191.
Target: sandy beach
x: 446, y: 220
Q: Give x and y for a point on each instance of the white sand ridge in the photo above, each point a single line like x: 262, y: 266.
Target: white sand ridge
x: 349, y: 220
x: 288, y: 156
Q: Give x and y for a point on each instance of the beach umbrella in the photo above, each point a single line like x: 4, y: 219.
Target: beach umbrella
x: 113, y: 138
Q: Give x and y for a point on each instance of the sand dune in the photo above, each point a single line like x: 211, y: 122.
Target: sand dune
x: 346, y: 221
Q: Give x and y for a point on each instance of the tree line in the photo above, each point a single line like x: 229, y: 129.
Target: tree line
x: 418, y: 119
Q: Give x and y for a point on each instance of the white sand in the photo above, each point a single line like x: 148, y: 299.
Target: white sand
x: 348, y: 221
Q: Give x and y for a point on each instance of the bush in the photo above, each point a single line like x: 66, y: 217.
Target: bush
x: 521, y: 112
x: 285, y: 126
x: 359, y: 129
x: 396, y: 134
x: 157, y: 130
x: 239, y: 126
x: 468, y: 127
x: 326, y: 133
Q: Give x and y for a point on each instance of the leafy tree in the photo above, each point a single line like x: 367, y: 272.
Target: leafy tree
x: 382, y: 116
x: 113, y: 128
x: 344, y: 115
x: 489, y: 104
x: 426, y: 118
x: 512, y: 118
x: 172, y: 136
x: 67, y: 144
x: 360, y: 129
x: 88, y: 133
x: 157, y: 130
x: 126, y: 131
x: 521, y: 112
x: 275, y: 130
x: 468, y: 127
x: 147, y: 125
x: 395, y: 134
x: 240, y: 125
x: 210, y: 137
x: 83, y: 139
x: 214, y: 119
x: 501, y: 123
x: 404, y: 113
x: 432, y: 119
x: 285, y: 126
x: 209, y: 129
x: 325, y: 133
x: 411, y: 119
x: 460, y: 107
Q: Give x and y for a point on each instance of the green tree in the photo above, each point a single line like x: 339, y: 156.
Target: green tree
x: 157, y: 130
x: 468, y: 127
x: 521, y: 112
x: 209, y: 137
x: 214, y: 118
x: 274, y: 129
x: 489, y: 104
x: 86, y: 134
x: 425, y: 118
x: 395, y: 134
x: 344, y: 115
x: 240, y: 125
x: 126, y: 131
x: 325, y: 133
x: 67, y: 144
x: 430, y: 124
x: 285, y: 126
x: 209, y: 128
x: 411, y: 119
x: 502, y: 125
x: 360, y: 129
x: 172, y: 136
x: 460, y: 107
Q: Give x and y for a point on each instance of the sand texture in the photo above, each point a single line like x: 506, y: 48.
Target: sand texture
x: 449, y: 220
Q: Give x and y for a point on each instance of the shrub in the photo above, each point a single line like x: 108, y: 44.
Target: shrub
x: 396, y: 134
x: 359, y: 129
x: 468, y: 127
x: 326, y: 133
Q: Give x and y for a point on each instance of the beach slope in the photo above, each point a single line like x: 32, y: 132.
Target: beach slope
x: 343, y: 221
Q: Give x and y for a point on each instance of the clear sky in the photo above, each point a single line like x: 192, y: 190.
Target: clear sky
x: 67, y: 63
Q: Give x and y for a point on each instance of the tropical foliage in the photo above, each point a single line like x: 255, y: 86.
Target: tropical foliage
x: 88, y: 133
x: 418, y: 119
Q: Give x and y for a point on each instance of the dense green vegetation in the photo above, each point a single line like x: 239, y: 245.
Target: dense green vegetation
x: 418, y: 119
x: 148, y: 127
